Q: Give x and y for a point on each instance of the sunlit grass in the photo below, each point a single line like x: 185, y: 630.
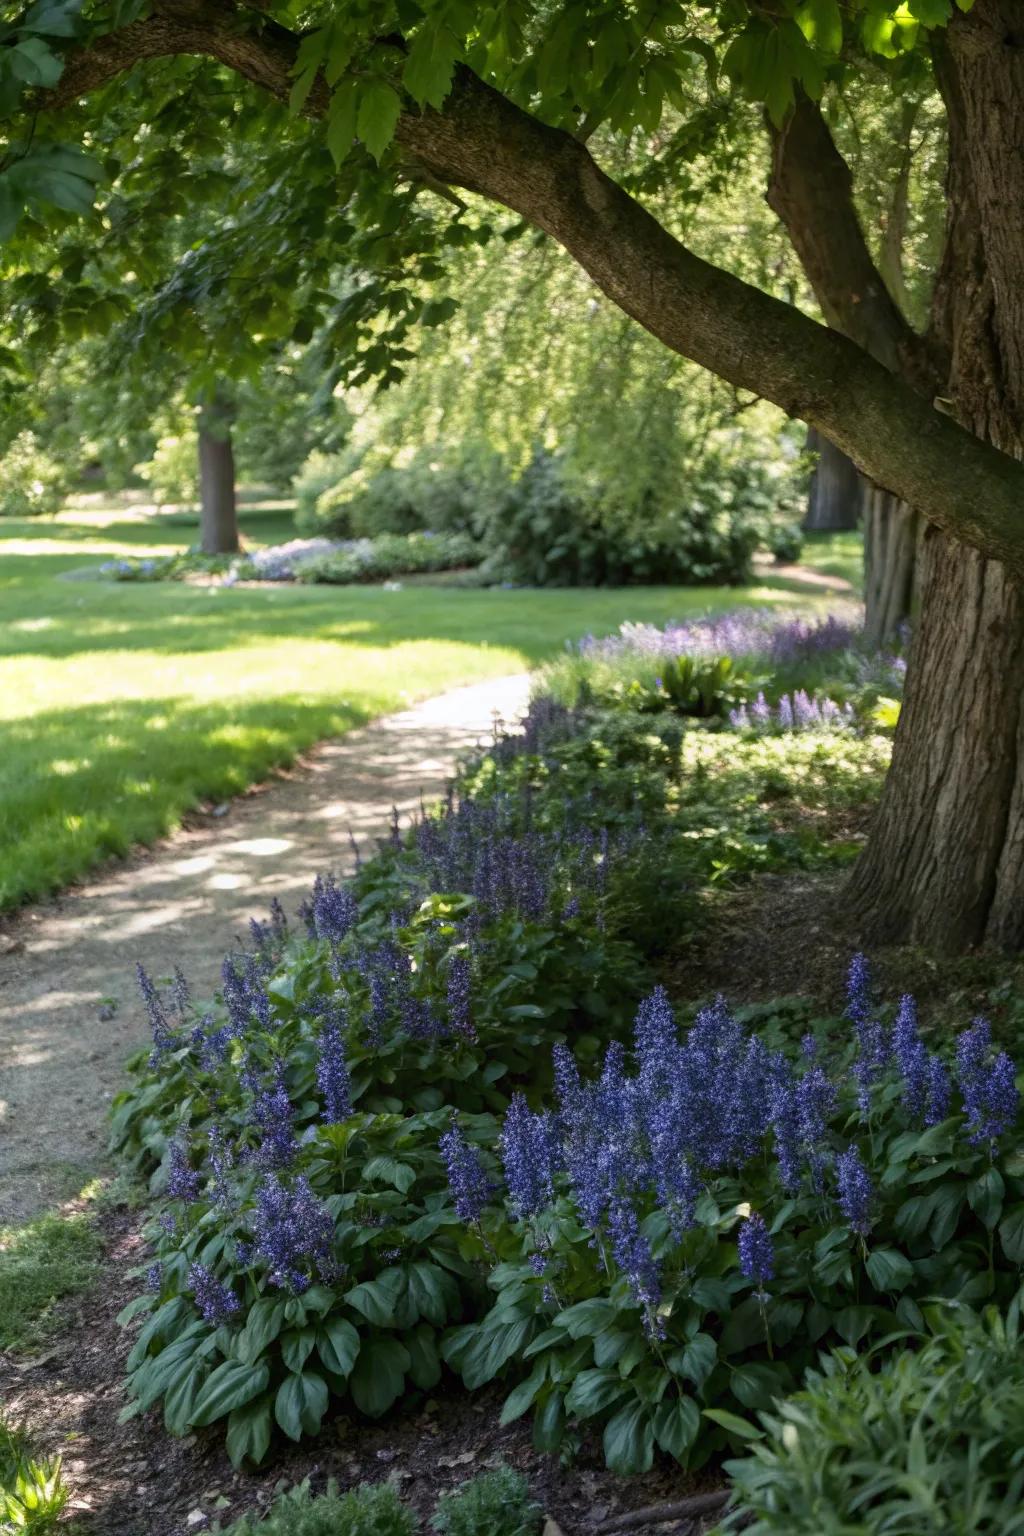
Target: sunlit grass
x: 123, y: 705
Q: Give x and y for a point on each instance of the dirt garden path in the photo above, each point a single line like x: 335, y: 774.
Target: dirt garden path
x: 69, y: 1012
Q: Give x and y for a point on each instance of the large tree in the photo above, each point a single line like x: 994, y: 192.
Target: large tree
x: 505, y: 100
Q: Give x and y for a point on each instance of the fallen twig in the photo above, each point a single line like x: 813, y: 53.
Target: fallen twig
x: 654, y: 1514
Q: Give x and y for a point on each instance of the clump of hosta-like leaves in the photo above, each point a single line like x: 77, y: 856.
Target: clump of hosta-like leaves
x: 680, y: 1234
x: 306, y: 1247
x: 930, y: 1439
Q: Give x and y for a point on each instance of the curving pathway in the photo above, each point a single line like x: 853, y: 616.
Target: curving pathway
x: 69, y: 1013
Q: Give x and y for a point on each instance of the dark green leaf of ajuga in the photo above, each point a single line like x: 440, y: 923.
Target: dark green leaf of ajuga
x: 486, y: 1350
x: 296, y: 1346
x: 587, y: 1318
x: 228, y: 1387
x: 852, y: 1323
x: 301, y: 1403
x: 180, y: 1398
x: 889, y: 1270
x: 337, y: 1344
x: 262, y: 1326
x: 376, y: 1299
x: 249, y: 1431
x: 1011, y: 1234
x: 593, y: 1391
x: 676, y: 1424
x: 629, y: 1440
x: 696, y: 1360
x: 434, y: 1293
x: 548, y: 1423
x: 757, y: 1386
x: 985, y: 1197
x: 379, y: 1375
x: 424, y: 1360
x: 521, y: 1397
x: 743, y: 1328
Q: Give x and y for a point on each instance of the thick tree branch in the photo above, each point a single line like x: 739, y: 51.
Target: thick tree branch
x: 811, y: 190
x: 482, y: 142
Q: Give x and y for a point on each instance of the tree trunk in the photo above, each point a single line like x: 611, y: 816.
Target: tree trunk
x: 945, y: 863
x: 891, y: 536
x: 835, y: 494
x: 218, y: 517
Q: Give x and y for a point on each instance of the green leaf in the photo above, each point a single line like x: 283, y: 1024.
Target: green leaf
x: 430, y: 65
x: 852, y: 1323
x: 629, y: 1440
x: 758, y: 1385
x: 549, y: 1423
x: 676, y: 1425
x: 388, y: 1170
x: 888, y: 1269
x: 478, y: 1353
x: 379, y: 1375
x: 379, y: 110
x: 696, y: 1360
x: 180, y: 1398
x: 296, y: 1346
x: 1011, y: 1234
x: 262, y: 1326
x: 424, y: 1360
x: 433, y: 1292
x: 341, y: 120
x: 821, y: 22
x: 337, y: 1344
x: 733, y: 1424
x: 307, y: 65
x: 593, y: 1391
x: 301, y: 1403
x: 521, y: 1397
x: 229, y: 1386
x: 985, y: 1197
x: 587, y: 1318
x: 377, y: 1299
x: 249, y: 1428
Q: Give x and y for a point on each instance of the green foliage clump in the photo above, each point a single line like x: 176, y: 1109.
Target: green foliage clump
x: 496, y: 1503
x: 319, y: 474
x: 930, y: 1439
x: 386, y: 555
x: 627, y: 1292
x: 172, y: 473
x: 32, y: 1491
x: 554, y: 527
x: 370, y: 1510
x: 49, y: 1258
x: 32, y: 482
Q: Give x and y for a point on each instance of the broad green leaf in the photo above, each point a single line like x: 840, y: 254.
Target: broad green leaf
x: 733, y: 1424
x: 341, y: 120
x: 433, y: 1292
x: 424, y: 1360
x: 629, y: 1440
x: 1011, y: 1234
x: 229, y: 1386
x: 379, y: 1375
x: 676, y: 1426
x: 337, y: 1344
x: 379, y: 110
x: 248, y: 1437
x: 521, y: 1397
x: 301, y: 1403
x: 296, y: 1346
x: 429, y: 67
x: 593, y: 1391
x: 985, y: 1197
x: 888, y: 1269
x: 262, y: 1326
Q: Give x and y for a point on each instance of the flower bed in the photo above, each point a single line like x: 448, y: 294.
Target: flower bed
x: 311, y: 560
x: 325, y: 1232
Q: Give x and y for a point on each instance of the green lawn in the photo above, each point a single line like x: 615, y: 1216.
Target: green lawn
x: 122, y: 705
x: 836, y: 554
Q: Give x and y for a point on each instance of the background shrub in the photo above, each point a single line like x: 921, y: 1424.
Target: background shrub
x: 930, y: 1439
x: 32, y: 483
x: 172, y: 474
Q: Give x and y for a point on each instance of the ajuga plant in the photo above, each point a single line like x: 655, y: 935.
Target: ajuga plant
x: 677, y: 1236
x: 929, y: 1439
x: 306, y: 1247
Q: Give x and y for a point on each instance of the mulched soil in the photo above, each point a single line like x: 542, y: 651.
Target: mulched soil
x: 133, y: 1479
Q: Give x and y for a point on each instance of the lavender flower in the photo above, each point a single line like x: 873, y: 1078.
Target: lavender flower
x: 460, y: 1017
x: 756, y: 1251
x: 528, y: 1153
x: 332, y: 1077
x: 467, y: 1177
x: 334, y: 909
x: 183, y: 1183
x: 911, y: 1058
x: 163, y: 1036
x: 855, y: 1191
x: 215, y: 1301
x: 632, y: 1253
x: 938, y: 1092
x: 271, y: 1112
x: 294, y: 1235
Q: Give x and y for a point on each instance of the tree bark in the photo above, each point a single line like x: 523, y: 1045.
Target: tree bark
x: 891, y: 535
x: 218, y: 515
x: 945, y: 863
x: 836, y: 492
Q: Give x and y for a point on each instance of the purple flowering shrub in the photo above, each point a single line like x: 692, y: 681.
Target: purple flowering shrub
x: 678, y: 1235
